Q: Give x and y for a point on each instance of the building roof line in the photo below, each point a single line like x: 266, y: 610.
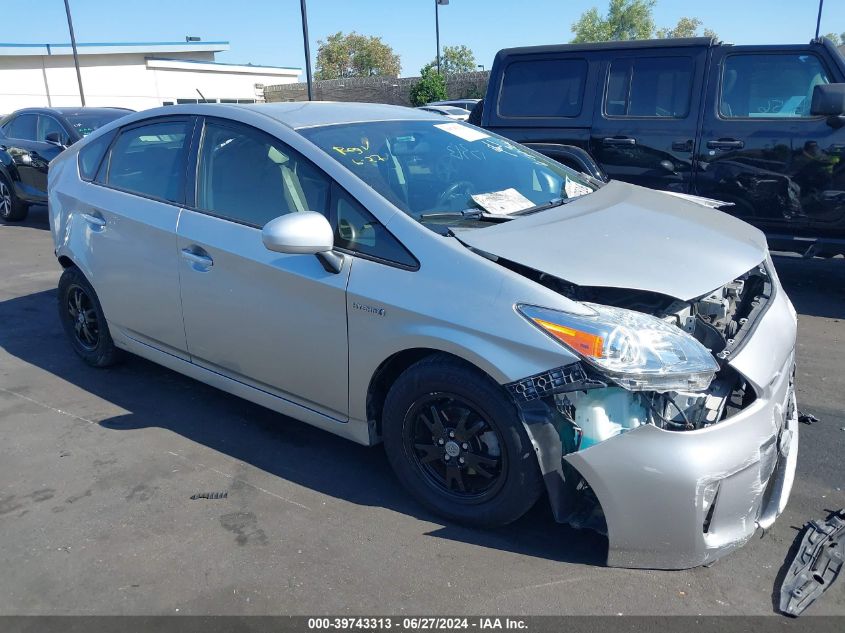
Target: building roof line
x: 208, y: 63
x: 82, y: 44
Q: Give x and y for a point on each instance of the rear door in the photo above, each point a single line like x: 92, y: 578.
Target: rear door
x: 760, y: 147
x: 129, y: 214
x: 644, y: 126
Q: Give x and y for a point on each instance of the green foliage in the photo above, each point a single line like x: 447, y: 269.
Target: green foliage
x: 630, y: 20
x: 430, y: 87
x: 455, y: 59
x: 354, y: 55
x: 836, y: 39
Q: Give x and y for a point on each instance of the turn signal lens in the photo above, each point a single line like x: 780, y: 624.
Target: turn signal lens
x: 582, y: 342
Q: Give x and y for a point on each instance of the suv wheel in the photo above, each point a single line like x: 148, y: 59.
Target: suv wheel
x: 455, y: 441
x: 83, y: 320
x: 12, y: 209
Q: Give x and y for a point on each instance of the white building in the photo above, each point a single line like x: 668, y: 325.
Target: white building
x: 135, y: 75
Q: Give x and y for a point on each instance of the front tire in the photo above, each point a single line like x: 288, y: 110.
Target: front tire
x: 83, y: 320
x: 12, y: 208
x: 456, y: 443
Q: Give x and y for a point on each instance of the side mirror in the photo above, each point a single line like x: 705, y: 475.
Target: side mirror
x: 828, y: 100
x: 303, y: 233
x: 55, y: 138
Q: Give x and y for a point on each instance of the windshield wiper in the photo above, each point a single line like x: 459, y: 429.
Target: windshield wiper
x: 554, y: 202
x: 466, y: 214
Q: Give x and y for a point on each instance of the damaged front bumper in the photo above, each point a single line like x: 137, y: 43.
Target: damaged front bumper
x: 679, y: 499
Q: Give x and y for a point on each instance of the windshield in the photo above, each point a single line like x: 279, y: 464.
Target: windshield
x: 428, y: 167
x: 86, y: 122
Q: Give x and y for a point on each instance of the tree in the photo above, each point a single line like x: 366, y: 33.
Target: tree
x: 625, y: 20
x: 355, y: 55
x: 686, y: 27
x: 455, y: 59
x: 630, y: 20
x: 836, y: 39
x: 430, y: 87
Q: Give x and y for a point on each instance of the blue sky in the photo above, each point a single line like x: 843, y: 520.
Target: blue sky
x: 269, y: 31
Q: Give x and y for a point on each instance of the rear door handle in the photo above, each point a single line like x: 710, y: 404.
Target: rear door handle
x: 725, y: 143
x: 200, y: 261
x: 619, y: 140
x: 682, y: 146
x: 94, y: 220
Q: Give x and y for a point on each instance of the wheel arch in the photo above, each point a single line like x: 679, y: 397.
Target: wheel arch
x: 392, y: 367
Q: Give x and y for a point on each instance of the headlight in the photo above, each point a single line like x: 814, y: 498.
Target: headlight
x: 635, y: 350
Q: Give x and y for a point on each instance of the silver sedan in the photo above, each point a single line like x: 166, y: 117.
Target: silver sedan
x: 504, y: 325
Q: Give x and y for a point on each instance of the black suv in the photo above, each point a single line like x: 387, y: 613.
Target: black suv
x: 762, y: 127
x: 29, y: 140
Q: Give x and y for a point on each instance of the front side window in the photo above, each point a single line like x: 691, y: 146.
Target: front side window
x: 150, y: 160
x: 250, y: 177
x: 23, y: 127
x: 769, y: 85
x: 426, y: 168
x: 357, y: 230
x: 48, y: 125
x: 544, y: 88
x: 649, y: 87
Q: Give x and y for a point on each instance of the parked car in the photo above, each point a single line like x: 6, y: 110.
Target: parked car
x: 465, y: 104
x: 502, y: 323
x: 29, y: 140
x: 459, y: 114
x: 759, y: 127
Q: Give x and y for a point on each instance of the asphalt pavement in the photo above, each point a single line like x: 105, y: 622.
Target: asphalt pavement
x: 97, y: 470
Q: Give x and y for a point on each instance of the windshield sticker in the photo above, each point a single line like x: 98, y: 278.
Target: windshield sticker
x: 574, y: 189
x: 502, y: 202
x: 464, y: 132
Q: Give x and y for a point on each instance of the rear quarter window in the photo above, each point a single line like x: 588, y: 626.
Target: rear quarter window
x: 548, y: 88
x: 91, y: 156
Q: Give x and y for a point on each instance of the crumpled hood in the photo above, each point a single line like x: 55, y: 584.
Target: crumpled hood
x: 624, y: 236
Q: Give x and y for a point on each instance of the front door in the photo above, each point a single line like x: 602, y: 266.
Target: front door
x: 762, y: 150
x: 272, y: 320
x: 644, y: 130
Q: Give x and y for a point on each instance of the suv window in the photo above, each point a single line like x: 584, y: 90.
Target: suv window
x: 150, y: 160
x: 769, y: 85
x: 357, y: 230
x: 22, y: 127
x: 248, y: 176
x: 546, y: 88
x: 46, y: 125
x: 649, y: 87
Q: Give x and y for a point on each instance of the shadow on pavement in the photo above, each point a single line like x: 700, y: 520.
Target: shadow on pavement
x: 158, y: 397
x: 815, y: 286
x: 35, y: 219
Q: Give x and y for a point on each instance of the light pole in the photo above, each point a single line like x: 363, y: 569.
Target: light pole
x: 819, y: 19
x: 304, y: 11
x: 75, y: 55
x: 437, y: 4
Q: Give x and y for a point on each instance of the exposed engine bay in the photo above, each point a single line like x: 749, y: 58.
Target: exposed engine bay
x: 596, y: 409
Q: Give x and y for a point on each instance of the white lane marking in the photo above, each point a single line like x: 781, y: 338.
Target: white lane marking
x: 47, y: 406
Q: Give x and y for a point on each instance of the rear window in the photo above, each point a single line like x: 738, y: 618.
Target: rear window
x: 649, y: 87
x: 544, y: 88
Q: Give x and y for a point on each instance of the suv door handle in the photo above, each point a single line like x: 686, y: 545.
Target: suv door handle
x: 201, y: 260
x: 682, y: 146
x: 725, y: 143
x: 619, y: 140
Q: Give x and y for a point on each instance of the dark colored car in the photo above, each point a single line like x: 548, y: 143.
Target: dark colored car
x: 29, y: 140
x: 760, y: 127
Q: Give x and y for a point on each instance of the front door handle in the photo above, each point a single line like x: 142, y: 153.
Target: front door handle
x: 725, y: 143
x: 95, y: 221
x: 201, y: 261
x: 619, y: 140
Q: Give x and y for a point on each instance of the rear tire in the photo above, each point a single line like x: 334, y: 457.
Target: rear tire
x: 12, y: 208
x: 83, y: 320
x: 456, y: 443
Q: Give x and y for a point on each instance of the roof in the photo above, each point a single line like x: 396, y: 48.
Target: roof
x: 111, y: 48
x: 301, y: 114
x: 616, y: 45
x: 221, y: 67
x: 72, y: 111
